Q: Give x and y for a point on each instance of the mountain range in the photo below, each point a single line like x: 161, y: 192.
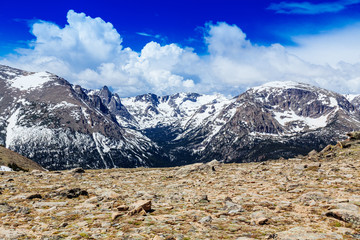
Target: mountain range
x: 62, y: 126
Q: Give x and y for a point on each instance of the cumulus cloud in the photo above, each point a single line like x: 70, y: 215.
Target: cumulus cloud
x: 89, y: 52
x: 311, y: 8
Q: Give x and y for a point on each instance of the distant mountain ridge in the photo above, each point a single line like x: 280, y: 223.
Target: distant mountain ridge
x: 61, y: 126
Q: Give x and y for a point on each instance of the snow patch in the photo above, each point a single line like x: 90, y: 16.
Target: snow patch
x: 5, y: 169
x: 286, y: 117
x: 62, y: 104
x: 27, y: 82
x: 351, y: 97
x: 99, y: 142
x: 86, y: 116
x: 10, y: 130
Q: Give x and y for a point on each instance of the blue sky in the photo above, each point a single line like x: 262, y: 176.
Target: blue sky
x: 168, y: 46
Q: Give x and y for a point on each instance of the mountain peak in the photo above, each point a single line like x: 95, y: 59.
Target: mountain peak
x: 282, y: 85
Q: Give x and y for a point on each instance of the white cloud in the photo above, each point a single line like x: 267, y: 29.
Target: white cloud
x: 89, y: 52
x: 329, y: 47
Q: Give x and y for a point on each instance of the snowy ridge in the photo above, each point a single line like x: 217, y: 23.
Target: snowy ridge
x: 151, y: 111
x: 281, y: 85
x: 351, y: 97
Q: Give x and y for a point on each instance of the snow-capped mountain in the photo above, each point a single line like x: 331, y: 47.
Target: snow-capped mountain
x: 278, y: 119
x: 151, y: 111
x: 61, y: 126
x: 355, y: 100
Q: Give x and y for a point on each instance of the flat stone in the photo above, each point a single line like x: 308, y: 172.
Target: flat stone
x: 299, y: 233
x: 122, y: 208
x: 49, y: 204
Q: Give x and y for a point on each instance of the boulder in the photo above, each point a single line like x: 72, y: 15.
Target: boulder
x: 354, y: 135
x: 73, y: 193
x: 345, y: 215
x: 259, y: 218
x: 306, y: 198
x: 139, y: 206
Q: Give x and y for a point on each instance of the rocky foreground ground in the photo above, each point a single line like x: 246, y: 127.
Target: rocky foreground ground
x: 312, y: 197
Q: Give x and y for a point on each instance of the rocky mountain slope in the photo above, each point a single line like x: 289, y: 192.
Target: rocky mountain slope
x: 59, y: 126
x: 15, y: 160
x: 312, y: 197
x: 62, y: 126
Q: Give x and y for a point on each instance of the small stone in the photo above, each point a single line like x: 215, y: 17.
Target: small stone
x: 122, y: 208
x: 24, y: 210
x: 313, y: 166
x: 203, y: 199
x: 259, y: 218
x: 116, y: 215
x: 315, y: 196
x: 261, y: 221
x: 33, y: 196
x: 206, y: 219
x: 228, y: 199
x: 107, y: 193
x: 64, y: 224
x: 77, y: 170
x: 233, y: 208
